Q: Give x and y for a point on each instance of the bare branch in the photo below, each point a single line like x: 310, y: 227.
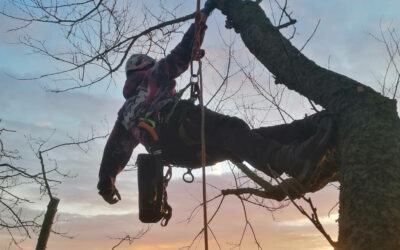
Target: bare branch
x: 130, y: 239
x: 313, y: 217
x: 121, y: 46
x: 311, y: 36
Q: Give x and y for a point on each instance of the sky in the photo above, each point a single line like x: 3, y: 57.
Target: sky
x: 342, y: 42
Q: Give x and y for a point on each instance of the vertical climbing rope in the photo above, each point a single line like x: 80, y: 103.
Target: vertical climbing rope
x: 203, y: 160
x: 196, y: 46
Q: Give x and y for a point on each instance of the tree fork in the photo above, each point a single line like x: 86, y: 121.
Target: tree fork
x: 368, y: 139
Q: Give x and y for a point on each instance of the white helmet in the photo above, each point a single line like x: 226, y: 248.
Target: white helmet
x: 138, y: 62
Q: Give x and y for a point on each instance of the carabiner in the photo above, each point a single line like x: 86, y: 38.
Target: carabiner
x: 168, y: 174
x: 167, y: 213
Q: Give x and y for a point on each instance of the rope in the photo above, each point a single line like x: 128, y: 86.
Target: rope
x: 196, y: 45
x: 203, y: 160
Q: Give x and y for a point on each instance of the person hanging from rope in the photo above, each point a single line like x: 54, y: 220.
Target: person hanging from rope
x: 149, y: 91
x: 295, y: 149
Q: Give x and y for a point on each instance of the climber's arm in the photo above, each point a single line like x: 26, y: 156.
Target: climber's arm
x: 117, y: 153
x: 178, y: 60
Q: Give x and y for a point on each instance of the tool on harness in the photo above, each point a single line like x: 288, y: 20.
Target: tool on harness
x: 168, y: 210
x: 194, y: 82
x: 152, y: 184
x: 188, y: 176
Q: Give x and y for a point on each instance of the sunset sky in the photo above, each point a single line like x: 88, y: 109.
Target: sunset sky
x: 342, y: 42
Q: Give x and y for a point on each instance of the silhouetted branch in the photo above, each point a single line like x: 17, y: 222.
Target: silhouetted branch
x: 130, y: 239
x: 100, y: 37
x: 313, y: 217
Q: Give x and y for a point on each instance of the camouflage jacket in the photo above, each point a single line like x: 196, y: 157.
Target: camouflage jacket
x: 147, y: 91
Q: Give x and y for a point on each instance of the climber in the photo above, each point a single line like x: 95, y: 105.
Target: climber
x: 150, y: 94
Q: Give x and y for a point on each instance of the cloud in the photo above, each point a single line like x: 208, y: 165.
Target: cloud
x: 304, y: 222
x: 32, y: 112
x: 283, y: 229
x: 342, y: 36
x: 88, y: 217
x: 27, y: 108
x: 227, y: 225
x: 28, y: 101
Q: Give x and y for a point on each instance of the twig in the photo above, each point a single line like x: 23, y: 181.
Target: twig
x: 128, y: 42
x: 313, y: 217
x: 396, y: 86
x: 291, y: 22
x: 131, y: 239
x: 311, y: 36
x: 44, y: 175
x: 312, y: 105
x: 76, y: 143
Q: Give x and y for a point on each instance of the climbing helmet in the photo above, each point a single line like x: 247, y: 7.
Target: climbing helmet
x: 138, y: 62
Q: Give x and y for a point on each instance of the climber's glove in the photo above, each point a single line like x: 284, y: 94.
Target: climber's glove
x: 198, y: 54
x: 111, y: 196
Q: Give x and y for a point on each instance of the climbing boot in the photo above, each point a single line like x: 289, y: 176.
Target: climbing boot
x: 301, y: 159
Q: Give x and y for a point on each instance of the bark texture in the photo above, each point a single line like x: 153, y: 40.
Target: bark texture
x: 47, y: 224
x: 368, y: 138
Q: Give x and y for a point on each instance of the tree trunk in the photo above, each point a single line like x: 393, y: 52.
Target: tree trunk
x: 47, y: 223
x: 368, y: 138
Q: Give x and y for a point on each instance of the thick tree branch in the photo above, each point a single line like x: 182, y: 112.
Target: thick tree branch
x: 287, y: 63
x: 368, y: 138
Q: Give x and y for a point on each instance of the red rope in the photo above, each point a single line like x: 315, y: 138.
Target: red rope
x: 196, y: 46
x: 203, y: 160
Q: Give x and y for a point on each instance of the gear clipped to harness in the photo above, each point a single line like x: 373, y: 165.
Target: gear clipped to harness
x: 152, y: 184
x: 194, y: 82
x: 153, y: 199
x: 188, y: 176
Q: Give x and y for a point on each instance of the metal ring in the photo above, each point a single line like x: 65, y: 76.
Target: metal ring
x: 188, y: 176
x: 164, y: 222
